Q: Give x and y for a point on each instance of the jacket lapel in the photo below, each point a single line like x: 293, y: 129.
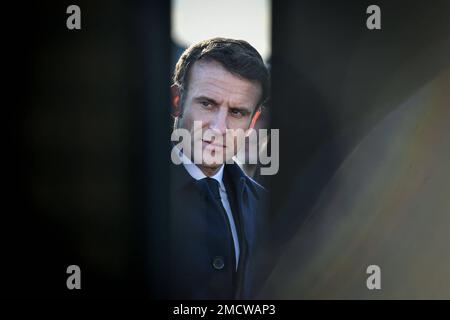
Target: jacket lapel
x: 245, y: 204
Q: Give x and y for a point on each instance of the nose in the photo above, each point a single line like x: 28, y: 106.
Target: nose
x: 219, y: 121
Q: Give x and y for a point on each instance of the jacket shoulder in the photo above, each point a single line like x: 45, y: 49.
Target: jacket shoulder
x: 259, y: 188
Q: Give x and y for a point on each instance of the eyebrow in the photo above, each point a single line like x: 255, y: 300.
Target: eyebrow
x: 241, y: 109
x: 205, y: 98
x: 214, y: 102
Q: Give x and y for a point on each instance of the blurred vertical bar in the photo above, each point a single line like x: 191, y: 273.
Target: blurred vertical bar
x: 90, y: 133
x: 153, y: 24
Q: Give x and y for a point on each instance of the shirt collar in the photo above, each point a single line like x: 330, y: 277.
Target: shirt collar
x: 195, y: 172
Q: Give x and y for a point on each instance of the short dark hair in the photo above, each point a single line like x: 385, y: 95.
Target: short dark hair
x: 236, y: 56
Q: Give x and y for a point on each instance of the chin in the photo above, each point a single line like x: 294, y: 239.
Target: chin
x: 211, y: 166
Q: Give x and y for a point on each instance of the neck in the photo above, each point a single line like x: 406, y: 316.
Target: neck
x: 208, y: 171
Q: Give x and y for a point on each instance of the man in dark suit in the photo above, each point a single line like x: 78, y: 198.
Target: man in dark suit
x: 216, y: 222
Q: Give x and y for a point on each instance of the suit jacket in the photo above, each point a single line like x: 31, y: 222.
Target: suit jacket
x: 200, y: 261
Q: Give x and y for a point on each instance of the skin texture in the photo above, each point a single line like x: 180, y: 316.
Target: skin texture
x: 221, y: 100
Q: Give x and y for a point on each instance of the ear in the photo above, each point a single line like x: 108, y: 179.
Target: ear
x: 176, y: 100
x: 255, y: 117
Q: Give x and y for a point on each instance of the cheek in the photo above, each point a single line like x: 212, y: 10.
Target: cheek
x: 192, y: 115
x: 241, y: 123
x: 187, y: 119
x: 195, y: 113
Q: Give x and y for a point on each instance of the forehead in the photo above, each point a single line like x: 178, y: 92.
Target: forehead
x: 210, y: 78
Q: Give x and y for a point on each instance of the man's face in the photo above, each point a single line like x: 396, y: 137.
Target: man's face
x: 221, y: 101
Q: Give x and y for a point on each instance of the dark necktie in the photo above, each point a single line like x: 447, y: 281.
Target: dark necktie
x: 213, y: 186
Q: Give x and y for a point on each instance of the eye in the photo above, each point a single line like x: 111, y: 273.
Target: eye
x: 237, y: 113
x: 206, y: 104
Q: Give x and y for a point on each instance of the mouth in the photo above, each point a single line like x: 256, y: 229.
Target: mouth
x: 212, y: 144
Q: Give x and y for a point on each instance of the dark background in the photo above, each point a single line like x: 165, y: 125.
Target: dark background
x: 334, y: 80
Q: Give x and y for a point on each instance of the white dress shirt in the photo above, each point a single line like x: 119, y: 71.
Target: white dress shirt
x: 197, y: 174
